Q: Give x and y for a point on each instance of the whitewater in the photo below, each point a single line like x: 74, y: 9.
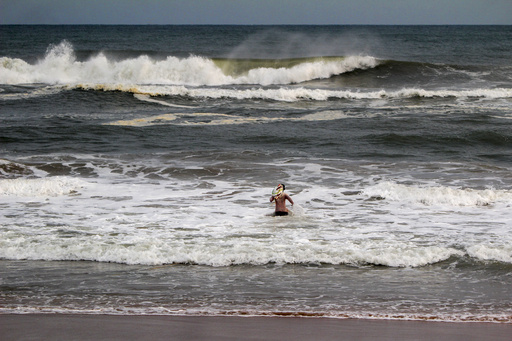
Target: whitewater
x: 59, y: 66
x: 339, y: 229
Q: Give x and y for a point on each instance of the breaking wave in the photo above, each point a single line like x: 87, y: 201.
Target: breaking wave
x: 296, y: 93
x: 60, y: 66
x: 214, y: 78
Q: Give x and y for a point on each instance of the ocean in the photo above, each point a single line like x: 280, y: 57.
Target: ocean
x: 137, y: 163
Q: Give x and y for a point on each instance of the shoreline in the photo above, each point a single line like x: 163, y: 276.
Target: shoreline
x: 161, y: 327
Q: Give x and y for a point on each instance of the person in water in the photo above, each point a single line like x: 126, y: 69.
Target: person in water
x: 280, y: 198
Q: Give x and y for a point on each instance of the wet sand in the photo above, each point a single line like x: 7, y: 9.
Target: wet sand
x: 103, y: 327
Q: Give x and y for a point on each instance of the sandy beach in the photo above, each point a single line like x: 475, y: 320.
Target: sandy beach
x: 103, y: 327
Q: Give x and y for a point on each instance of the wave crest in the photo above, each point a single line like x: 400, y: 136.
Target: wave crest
x: 60, y: 66
x: 292, y: 94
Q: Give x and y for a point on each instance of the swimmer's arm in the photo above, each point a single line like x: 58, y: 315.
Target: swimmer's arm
x: 289, y: 199
x: 272, y: 198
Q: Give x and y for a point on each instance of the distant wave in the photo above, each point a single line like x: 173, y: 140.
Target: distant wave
x: 60, y: 66
x: 281, y: 94
x: 292, y: 94
x: 201, y: 77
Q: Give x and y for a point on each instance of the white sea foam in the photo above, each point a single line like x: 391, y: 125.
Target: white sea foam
x: 183, y: 212
x: 41, y: 187
x: 190, y: 119
x: 32, y: 93
x: 492, y: 252
x: 438, y: 195
x: 216, y: 223
x: 153, y: 309
x: 473, y: 93
x: 147, y: 98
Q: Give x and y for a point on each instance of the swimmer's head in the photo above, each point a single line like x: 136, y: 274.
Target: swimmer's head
x: 278, y: 190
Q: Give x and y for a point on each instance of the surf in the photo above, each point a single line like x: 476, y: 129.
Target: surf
x: 291, y: 93
x: 438, y: 195
x: 61, y: 66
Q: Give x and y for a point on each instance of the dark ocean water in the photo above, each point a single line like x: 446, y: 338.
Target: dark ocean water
x: 136, y: 165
